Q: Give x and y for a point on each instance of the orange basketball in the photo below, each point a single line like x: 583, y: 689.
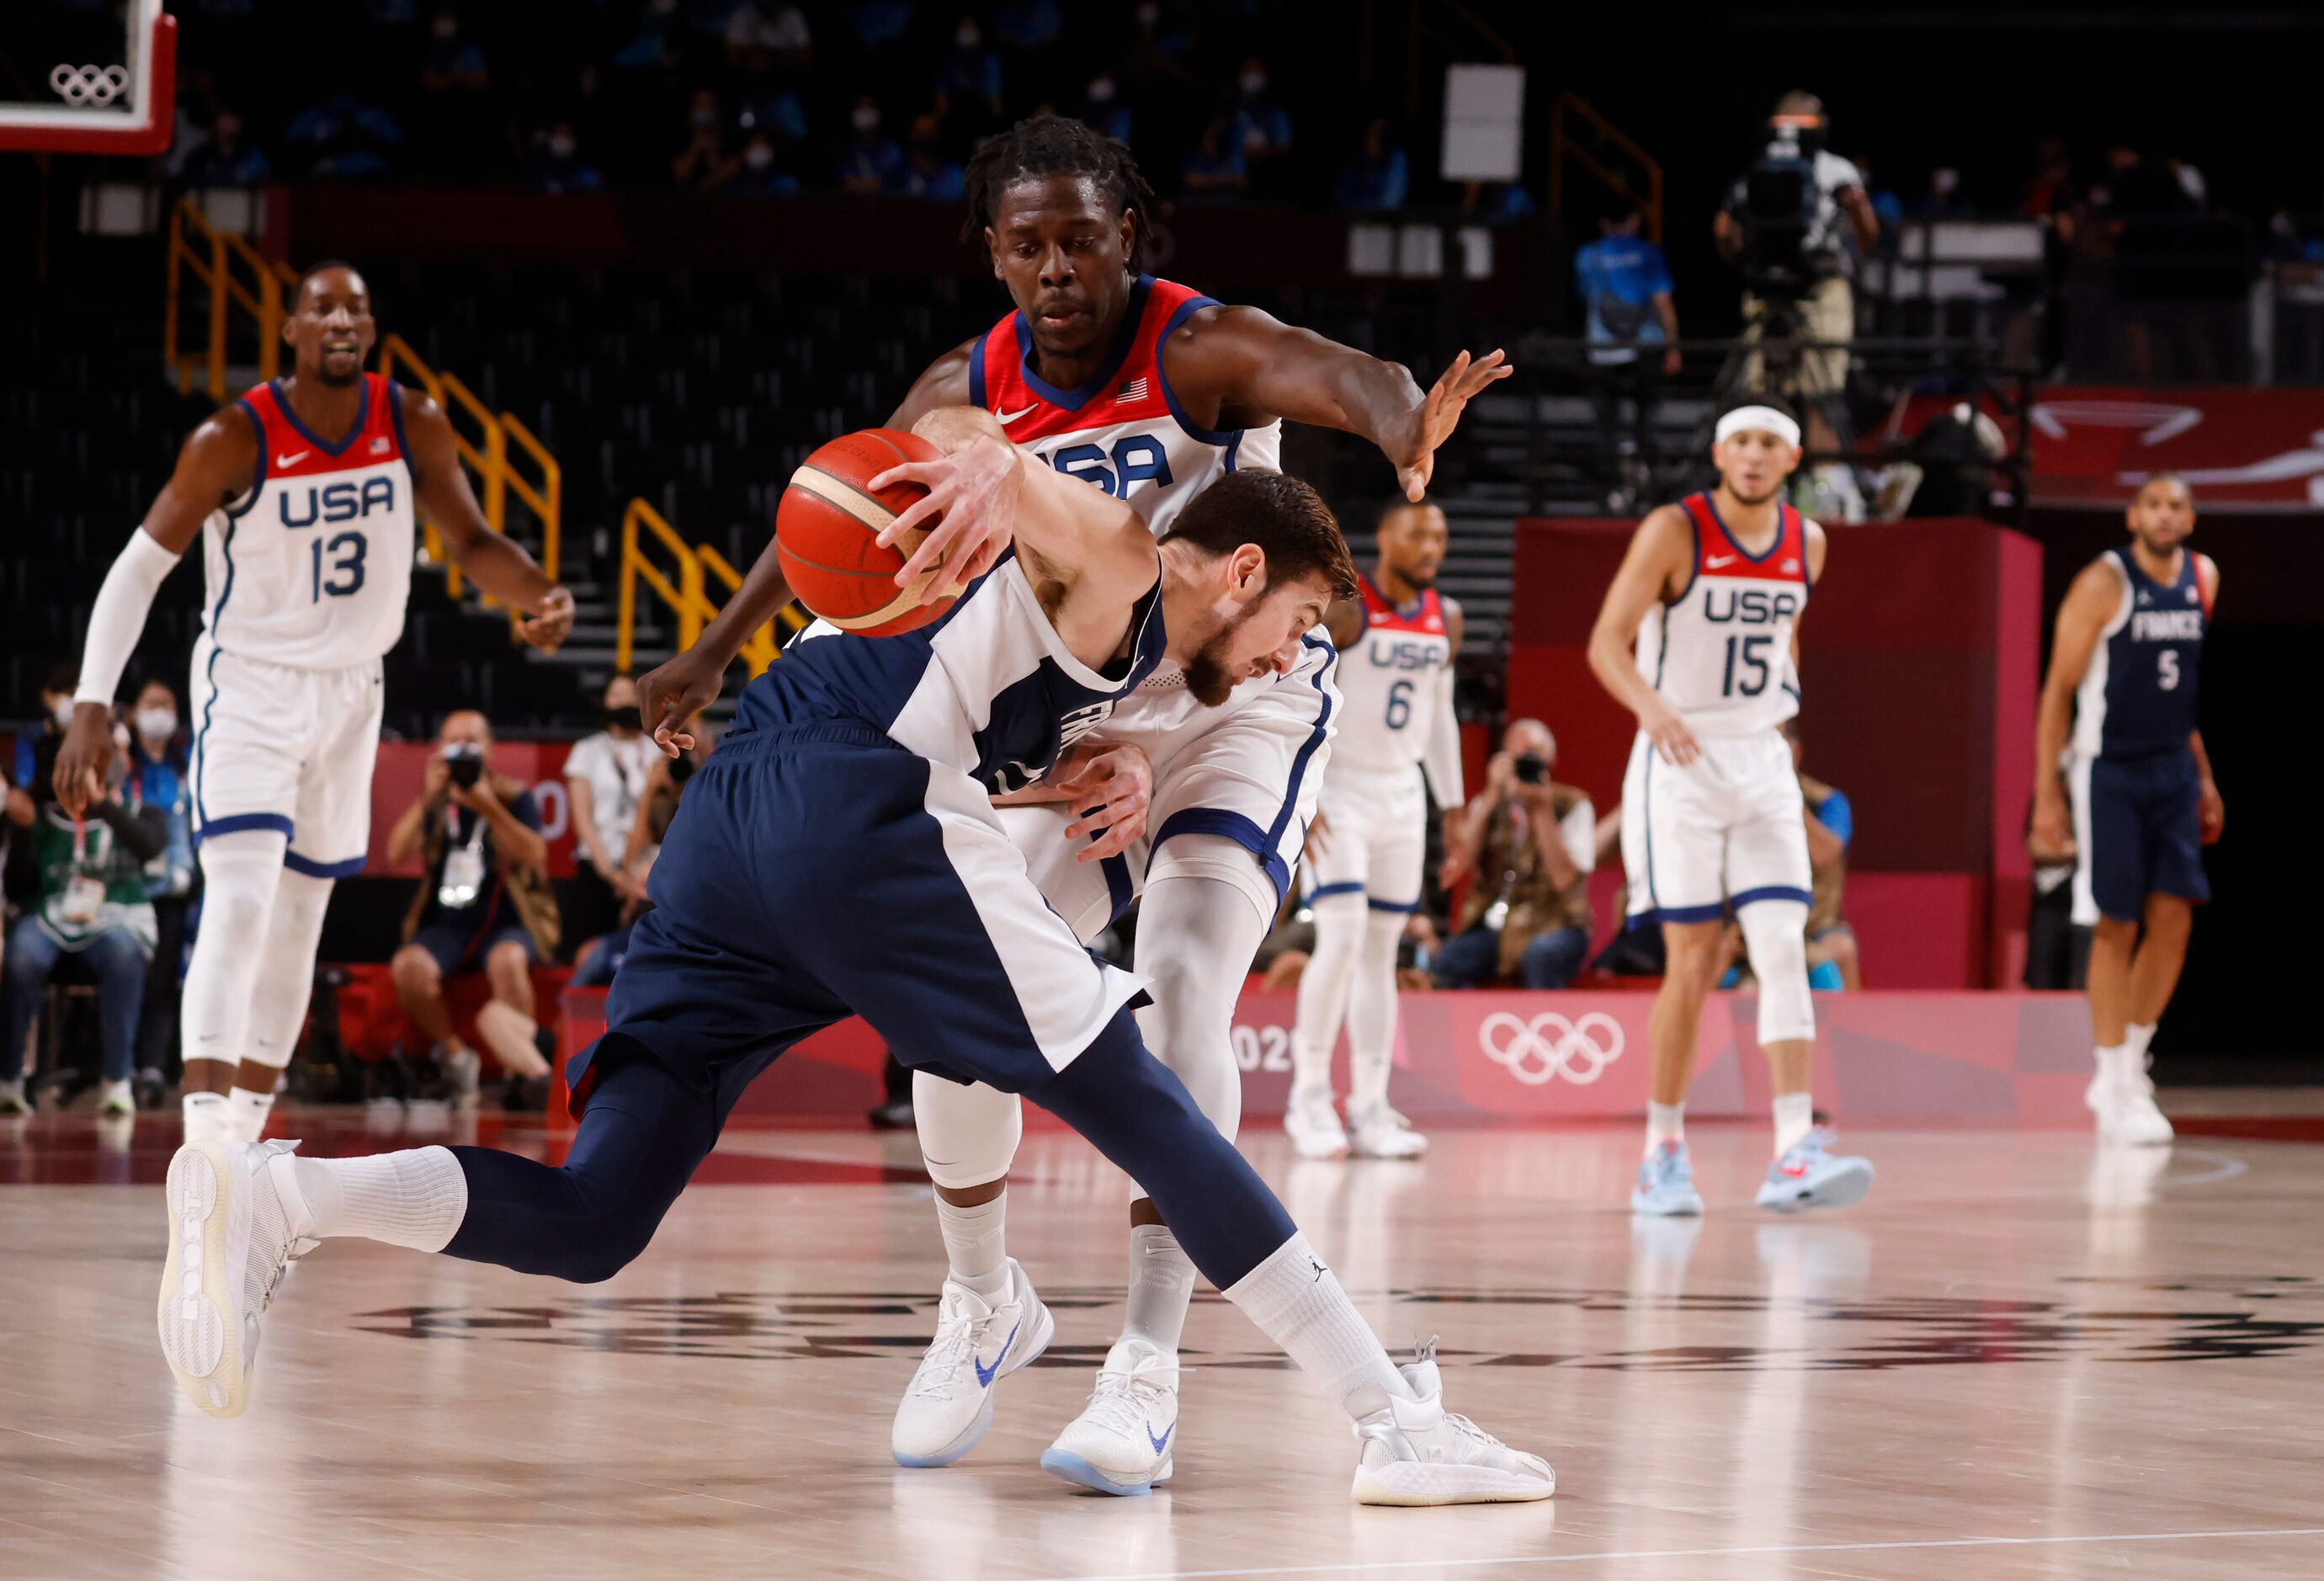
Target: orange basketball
x: 826, y: 528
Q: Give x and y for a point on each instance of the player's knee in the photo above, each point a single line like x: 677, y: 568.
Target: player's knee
x: 2169, y: 917
x: 1776, y: 932
x: 1691, y: 955
x: 2114, y: 932
x: 606, y: 1244
x: 968, y: 1134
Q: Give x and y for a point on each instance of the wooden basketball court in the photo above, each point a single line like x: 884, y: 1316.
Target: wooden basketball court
x: 2019, y: 1358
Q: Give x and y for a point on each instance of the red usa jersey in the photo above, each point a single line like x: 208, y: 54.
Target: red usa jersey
x: 312, y: 568
x: 1390, y: 681
x: 1124, y: 431
x: 1721, y: 652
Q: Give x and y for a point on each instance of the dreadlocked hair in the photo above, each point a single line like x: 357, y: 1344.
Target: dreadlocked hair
x: 1056, y: 145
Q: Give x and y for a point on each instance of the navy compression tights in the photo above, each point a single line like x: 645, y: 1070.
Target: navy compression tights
x: 644, y: 1131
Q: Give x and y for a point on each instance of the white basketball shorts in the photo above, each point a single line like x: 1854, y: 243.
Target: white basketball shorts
x: 287, y: 750
x: 1247, y: 771
x: 1726, y: 830
x: 1375, y: 839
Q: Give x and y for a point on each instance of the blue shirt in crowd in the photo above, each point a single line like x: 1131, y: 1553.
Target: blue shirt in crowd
x: 1618, y: 278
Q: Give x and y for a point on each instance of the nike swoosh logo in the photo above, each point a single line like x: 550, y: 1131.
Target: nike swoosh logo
x: 1163, y: 1442
x: 1006, y: 418
x: 1795, y: 1171
x: 1716, y: 560
x: 281, y: 461
x: 984, y: 1374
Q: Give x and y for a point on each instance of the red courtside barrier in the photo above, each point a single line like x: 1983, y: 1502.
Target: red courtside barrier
x: 1881, y: 1058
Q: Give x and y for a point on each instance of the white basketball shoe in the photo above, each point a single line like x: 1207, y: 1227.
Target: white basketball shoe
x: 1375, y: 1131
x: 2128, y: 1114
x: 1314, y: 1124
x: 1121, y: 1443
x: 230, y: 1239
x: 1415, y: 1452
x: 948, y: 1403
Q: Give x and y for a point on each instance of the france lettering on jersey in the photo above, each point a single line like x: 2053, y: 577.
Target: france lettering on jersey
x: 1124, y: 431
x: 1720, y: 651
x: 312, y: 568
x: 1389, y: 684
x: 2139, y: 693
x: 989, y: 689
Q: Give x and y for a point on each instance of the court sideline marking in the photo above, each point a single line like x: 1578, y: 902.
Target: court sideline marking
x: 1697, y: 1553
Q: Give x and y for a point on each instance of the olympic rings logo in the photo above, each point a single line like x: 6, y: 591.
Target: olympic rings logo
x: 89, y: 84
x: 1540, y: 1051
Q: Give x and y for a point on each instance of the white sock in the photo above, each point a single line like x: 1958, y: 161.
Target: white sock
x: 2119, y: 1063
x: 206, y: 1115
x: 1795, y: 1116
x: 416, y: 1197
x: 1161, y: 1284
x: 2135, y: 1039
x: 1665, y: 1123
x: 976, y: 1245
x: 1298, y: 1303
x: 250, y: 1110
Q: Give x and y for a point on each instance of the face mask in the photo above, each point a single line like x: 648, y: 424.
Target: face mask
x: 62, y: 710
x: 561, y: 147
x: 758, y: 156
x: 1101, y: 92
x: 867, y: 119
x: 1254, y: 83
x: 157, y: 724
x: 448, y: 27
x: 967, y: 38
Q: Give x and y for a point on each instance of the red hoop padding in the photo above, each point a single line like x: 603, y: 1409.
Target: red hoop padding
x: 149, y: 136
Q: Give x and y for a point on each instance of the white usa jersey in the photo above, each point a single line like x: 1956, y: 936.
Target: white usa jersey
x: 312, y: 568
x: 1721, y: 652
x: 1391, y: 682
x: 1124, y: 431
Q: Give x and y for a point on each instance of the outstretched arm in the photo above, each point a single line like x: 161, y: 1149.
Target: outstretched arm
x: 494, y: 562
x: 1251, y: 361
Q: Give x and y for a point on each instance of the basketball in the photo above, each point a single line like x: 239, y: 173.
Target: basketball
x: 826, y: 532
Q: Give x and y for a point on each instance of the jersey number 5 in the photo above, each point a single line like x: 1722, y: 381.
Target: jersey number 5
x: 2166, y: 669
x: 1400, y: 704
x: 1755, y: 680
x: 347, y: 568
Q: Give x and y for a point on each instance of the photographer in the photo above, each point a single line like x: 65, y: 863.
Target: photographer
x: 484, y: 902
x: 1783, y: 224
x: 1530, y: 844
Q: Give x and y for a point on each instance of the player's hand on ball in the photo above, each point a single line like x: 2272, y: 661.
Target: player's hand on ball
x: 1670, y: 734
x: 972, y: 500
x: 2211, y: 808
x: 670, y: 695
x: 547, y: 626
x: 1440, y: 414
x: 1110, y: 790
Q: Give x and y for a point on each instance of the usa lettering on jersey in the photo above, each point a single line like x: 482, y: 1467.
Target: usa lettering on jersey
x: 1390, y: 683
x: 1720, y: 651
x: 1124, y: 431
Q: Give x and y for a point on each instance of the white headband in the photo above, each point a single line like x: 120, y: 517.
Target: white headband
x: 1760, y: 417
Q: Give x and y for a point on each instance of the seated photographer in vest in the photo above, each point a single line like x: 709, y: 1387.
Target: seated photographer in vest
x: 1527, y: 845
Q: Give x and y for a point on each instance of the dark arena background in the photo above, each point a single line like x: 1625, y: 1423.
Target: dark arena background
x: 646, y: 255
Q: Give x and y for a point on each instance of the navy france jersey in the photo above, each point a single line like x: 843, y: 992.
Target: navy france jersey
x: 2139, y: 693
x: 989, y: 689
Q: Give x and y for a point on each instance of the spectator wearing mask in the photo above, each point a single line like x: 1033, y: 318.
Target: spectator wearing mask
x: 484, y: 902
x: 452, y: 63
x: 36, y: 752
x: 80, y: 885
x: 702, y: 163
x: 1815, y: 276
x: 1625, y: 284
x: 606, y: 778
x: 871, y: 162
x: 1527, y: 845
x: 227, y: 159
x: 756, y: 173
x: 556, y: 162
x: 158, y: 779
x: 1103, y: 110
x: 968, y: 82
x: 1262, y: 126
x: 1215, y: 169
x: 1374, y: 179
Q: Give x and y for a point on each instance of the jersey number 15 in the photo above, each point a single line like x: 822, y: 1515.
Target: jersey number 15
x: 1754, y: 680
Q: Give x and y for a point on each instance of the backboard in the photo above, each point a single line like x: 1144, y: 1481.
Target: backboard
x: 102, y: 81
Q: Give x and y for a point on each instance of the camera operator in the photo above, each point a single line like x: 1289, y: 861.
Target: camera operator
x: 484, y: 902
x: 1783, y: 225
x: 1530, y: 844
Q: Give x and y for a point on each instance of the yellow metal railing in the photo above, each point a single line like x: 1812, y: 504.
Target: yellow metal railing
x: 683, y: 589
x: 1562, y: 147
x: 211, y: 255
x: 489, y: 441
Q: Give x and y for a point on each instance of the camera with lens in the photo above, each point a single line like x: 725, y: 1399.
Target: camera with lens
x: 1778, y: 211
x: 465, y: 761
x: 1532, y: 768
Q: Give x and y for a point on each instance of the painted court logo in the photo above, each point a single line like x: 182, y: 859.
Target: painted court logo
x: 1548, y: 1045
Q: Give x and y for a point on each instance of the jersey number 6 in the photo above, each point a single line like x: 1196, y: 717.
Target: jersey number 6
x: 1400, y: 704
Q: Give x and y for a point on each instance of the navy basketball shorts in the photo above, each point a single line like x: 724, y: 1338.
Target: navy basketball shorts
x: 2138, y: 832
x: 823, y: 870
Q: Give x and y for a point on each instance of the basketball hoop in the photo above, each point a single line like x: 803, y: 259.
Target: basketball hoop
x: 123, y: 108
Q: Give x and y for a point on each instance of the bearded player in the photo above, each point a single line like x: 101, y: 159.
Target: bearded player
x: 304, y: 492
x: 1397, y: 643
x: 1698, y: 637
x: 1148, y: 390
